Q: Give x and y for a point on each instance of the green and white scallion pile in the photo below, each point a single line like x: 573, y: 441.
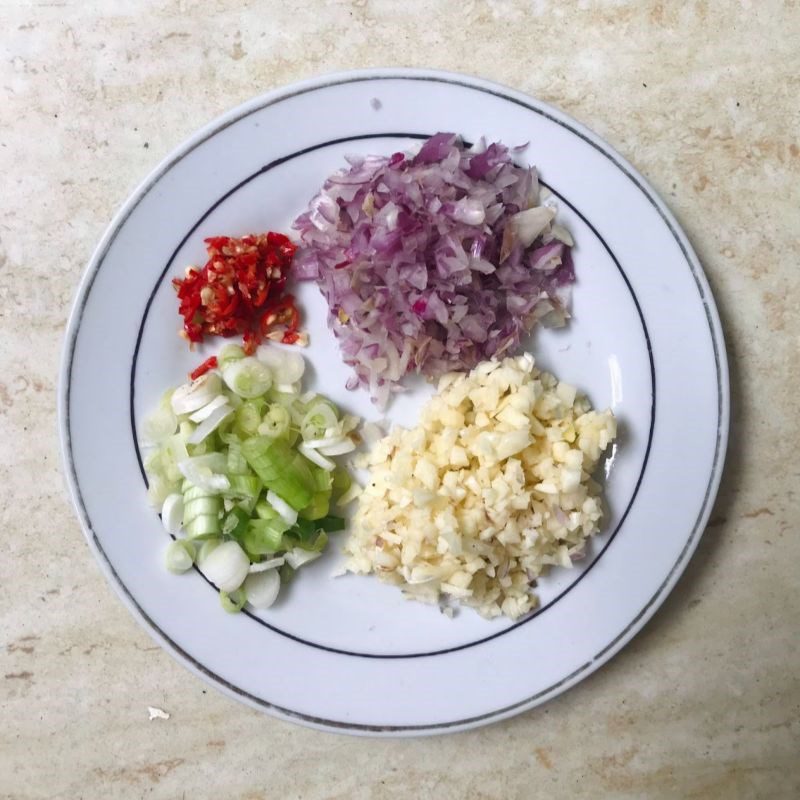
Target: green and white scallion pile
x: 241, y: 466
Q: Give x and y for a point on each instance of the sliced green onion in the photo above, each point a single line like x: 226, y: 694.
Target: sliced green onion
x: 228, y: 354
x: 282, y: 507
x: 193, y: 396
x: 205, y: 411
x: 179, y: 556
x: 316, y: 457
x: 233, y: 602
x: 345, y: 445
x: 323, y: 480
x: 247, y: 377
x: 287, y: 573
x: 261, y: 588
x: 265, y: 511
x: 227, y: 566
x: 276, y: 421
x: 237, y: 463
x: 331, y: 524
x: 326, y: 441
x: 248, y: 418
x: 158, y: 489
x: 270, y: 563
x: 174, y: 451
x: 211, y: 423
x: 318, y: 507
x: 206, y: 471
x: 281, y: 469
x: 350, y: 495
x: 317, y: 420
x: 243, y: 486
x: 341, y: 481
x: 172, y: 513
x: 287, y: 366
x: 206, y: 548
x: 159, y: 426
x: 236, y: 523
x: 318, y: 544
x: 296, y: 557
x: 239, y: 524
x: 264, y: 536
x: 203, y: 526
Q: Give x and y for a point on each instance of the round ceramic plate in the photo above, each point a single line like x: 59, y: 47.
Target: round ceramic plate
x: 349, y: 653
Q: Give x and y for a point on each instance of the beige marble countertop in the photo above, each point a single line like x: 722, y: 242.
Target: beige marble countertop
x: 703, y: 96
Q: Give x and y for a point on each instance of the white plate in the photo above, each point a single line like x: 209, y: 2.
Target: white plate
x: 350, y: 654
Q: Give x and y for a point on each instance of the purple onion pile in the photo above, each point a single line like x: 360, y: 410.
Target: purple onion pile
x: 433, y: 262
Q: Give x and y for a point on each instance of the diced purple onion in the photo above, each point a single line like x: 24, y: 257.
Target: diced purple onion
x: 426, y: 261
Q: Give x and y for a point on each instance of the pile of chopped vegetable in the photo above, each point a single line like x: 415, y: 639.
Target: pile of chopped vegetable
x: 239, y: 292
x: 433, y: 262
x: 489, y: 490
x: 242, y: 471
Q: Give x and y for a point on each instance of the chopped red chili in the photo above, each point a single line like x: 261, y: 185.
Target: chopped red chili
x: 239, y: 292
x: 209, y: 363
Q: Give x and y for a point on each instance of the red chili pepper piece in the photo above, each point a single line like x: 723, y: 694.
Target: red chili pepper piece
x: 240, y: 290
x: 208, y: 364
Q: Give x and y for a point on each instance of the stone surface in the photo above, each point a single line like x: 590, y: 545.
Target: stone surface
x: 703, y: 98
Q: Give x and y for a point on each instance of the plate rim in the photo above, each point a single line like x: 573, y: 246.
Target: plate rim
x: 322, y: 81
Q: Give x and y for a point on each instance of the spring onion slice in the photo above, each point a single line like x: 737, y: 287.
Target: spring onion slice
x: 172, y: 513
x: 296, y: 557
x: 179, y: 556
x: 327, y: 441
x: 261, y: 588
x: 340, y: 448
x: 206, y: 471
x: 247, y: 377
x: 270, y: 563
x: 317, y: 421
x: 206, y: 548
x: 282, y: 507
x: 205, y: 411
x: 276, y: 421
x: 233, y: 602
x: 350, y: 495
x: 316, y: 457
x: 159, y: 426
x: 210, y: 424
x: 227, y: 566
x: 228, y: 354
x: 281, y: 469
x: 285, y: 364
x: 193, y: 396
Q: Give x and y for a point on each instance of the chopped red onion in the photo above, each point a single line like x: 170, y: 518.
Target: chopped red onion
x: 432, y: 262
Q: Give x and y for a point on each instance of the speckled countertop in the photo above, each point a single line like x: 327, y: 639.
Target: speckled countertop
x: 702, y: 96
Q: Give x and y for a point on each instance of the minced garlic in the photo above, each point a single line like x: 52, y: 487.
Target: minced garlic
x: 490, y: 489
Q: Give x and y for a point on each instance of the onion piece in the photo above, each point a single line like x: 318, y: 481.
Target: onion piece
x: 210, y: 424
x: 247, y: 377
x: 226, y: 566
x: 192, y: 396
x: 288, y: 514
x: 206, y: 472
x: 172, y: 513
x: 205, y: 411
x: 425, y: 261
x: 261, y: 588
x: 346, y: 445
x: 316, y: 457
x: 297, y: 557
